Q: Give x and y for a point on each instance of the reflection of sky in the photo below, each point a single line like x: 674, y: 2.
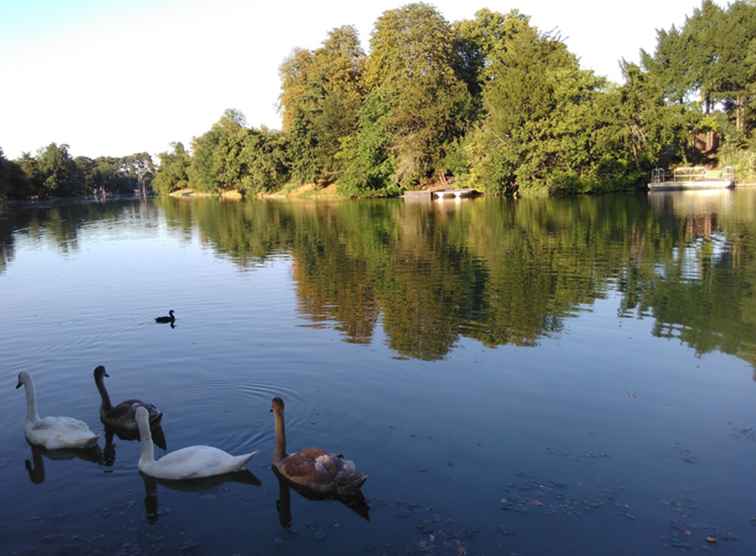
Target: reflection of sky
x: 692, y: 255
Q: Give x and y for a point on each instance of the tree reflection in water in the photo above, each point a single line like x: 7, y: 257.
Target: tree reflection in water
x: 498, y: 271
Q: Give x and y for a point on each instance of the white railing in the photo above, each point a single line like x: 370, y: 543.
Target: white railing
x: 692, y: 173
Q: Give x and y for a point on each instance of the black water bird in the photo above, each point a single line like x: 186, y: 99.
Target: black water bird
x: 165, y: 320
x: 121, y: 417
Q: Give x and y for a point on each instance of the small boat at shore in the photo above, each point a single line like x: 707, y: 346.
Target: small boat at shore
x: 692, y: 177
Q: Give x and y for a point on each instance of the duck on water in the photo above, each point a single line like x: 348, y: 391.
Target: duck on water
x: 171, y: 318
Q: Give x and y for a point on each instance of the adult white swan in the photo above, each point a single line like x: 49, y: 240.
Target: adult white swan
x: 52, y: 433
x: 193, y: 462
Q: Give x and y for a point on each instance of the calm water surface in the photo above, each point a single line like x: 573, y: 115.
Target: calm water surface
x: 532, y: 377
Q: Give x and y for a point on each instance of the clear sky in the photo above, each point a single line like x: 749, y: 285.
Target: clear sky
x: 116, y: 77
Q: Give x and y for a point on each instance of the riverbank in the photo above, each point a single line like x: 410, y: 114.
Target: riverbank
x: 306, y: 191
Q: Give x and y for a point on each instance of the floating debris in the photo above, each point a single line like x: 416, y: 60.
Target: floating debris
x: 553, y: 497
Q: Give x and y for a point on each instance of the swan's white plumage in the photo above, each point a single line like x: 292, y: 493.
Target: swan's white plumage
x: 52, y: 433
x: 59, y: 433
x: 194, y: 462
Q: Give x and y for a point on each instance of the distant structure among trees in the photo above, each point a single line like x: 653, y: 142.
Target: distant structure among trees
x: 53, y: 172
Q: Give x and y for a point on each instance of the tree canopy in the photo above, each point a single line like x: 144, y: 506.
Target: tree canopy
x: 490, y: 102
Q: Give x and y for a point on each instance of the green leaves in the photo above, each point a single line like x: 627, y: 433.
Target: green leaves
x: 173, y: 173
x: 321, y: 95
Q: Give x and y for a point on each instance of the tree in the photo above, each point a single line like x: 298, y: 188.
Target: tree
x: 216, y: 162
x: 265, y: 157
x: 56, y: 172
x: 412, y: 70
x: 173, y: 171
x: 369, y: 164
x: 13, y: 182
x: 544, y: 127
x: 321, y: 94
x: 481, y: 41
x: 710, y: 56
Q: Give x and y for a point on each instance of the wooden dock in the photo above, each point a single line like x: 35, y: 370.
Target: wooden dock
x: 440, y: 194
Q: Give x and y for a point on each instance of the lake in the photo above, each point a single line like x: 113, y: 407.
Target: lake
x: 565, y: 376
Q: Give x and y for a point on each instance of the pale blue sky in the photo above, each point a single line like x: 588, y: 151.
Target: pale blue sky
x: 115, y: 77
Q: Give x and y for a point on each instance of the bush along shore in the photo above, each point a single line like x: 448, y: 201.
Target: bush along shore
x: 490, y: 102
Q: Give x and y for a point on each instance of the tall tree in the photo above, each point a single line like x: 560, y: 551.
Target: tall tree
x: 542, y: 129
x: 412, y: 69
x: 56, y: 172
x: 711, y: 57
x: 173, y: 171
x: 216, y: 161
x: 321, y: 94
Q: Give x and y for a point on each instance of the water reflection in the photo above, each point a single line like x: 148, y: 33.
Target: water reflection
x: 35, y: 467
x: 504, y: 272
x: 151, y: 504
x: 500, y: 272
x: 355, y: 501
x: 61, y: 226
x: 109, y: 452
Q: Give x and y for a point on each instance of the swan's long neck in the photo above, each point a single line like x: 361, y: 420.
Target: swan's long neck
x: 31, y: 401
x: 280, y: 451
x: 106, y: 405
x: 148, y: 448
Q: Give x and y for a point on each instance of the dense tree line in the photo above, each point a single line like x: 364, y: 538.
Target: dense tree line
x: 490, y: 102
x: 53, y: 172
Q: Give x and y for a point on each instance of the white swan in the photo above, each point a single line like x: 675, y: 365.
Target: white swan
x: 52, y: 433
x: 194, y: 462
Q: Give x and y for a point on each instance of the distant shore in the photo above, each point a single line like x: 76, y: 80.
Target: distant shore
x: 306, y: 191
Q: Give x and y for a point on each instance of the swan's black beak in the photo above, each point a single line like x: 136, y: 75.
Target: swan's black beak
x: 106, y: 374
x: 19, y: 385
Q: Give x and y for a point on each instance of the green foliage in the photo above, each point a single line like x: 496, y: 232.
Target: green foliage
x: 110, y: 174
x: 542, y: 131
x: 173, y: 173
x: 321, y: 95
x: 480, y: 43
x: 56, y: 173
x: 713, y: 56
x: 216, y: 162
x: 232, y: 156
x: 369, y: 164
x: 12, y: 178
x: 412, y: 67
x: 265, y: 158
